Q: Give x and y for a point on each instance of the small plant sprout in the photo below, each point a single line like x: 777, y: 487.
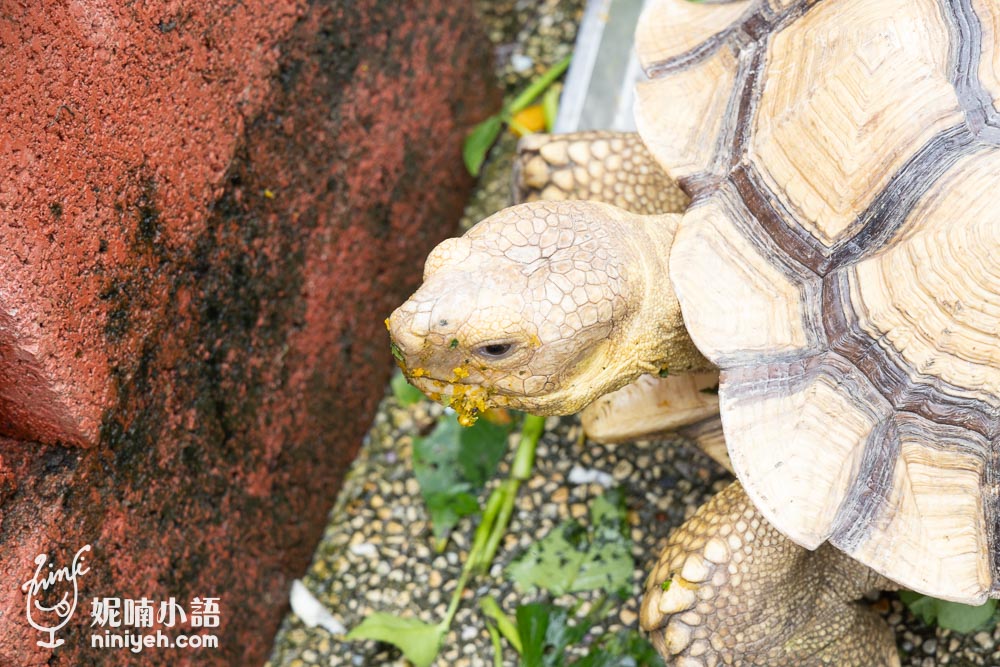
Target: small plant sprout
x: 516, y: 115
x: 574, y: 558
x: 419, y: 641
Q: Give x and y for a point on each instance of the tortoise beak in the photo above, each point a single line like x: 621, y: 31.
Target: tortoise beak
x: 405, y: 341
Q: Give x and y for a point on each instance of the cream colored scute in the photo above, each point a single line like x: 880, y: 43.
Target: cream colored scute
x: 669, y: 28
x: 735, y: 301
x: 851, y: 90
x: 651, y: 405
x: 933, y: 294
x: 680, y: 115
x: 931, y: 534
x: 797, y: 450
x: 989, y: 60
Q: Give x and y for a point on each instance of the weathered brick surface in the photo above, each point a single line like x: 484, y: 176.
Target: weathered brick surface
x: 208, y: 209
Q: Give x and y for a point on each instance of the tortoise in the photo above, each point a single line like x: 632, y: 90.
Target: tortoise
x: 838, y: 263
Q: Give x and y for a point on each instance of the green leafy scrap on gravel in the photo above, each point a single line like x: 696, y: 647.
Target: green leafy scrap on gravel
x: 403, y: 391
x: 550, y: 106
x: 574, y: 558
x: 452, y: 465
x: 479, y: 141
x: 483, y: 135
x: 951, y: 615
x: 421, y: 641
x: 417, y: 640
x: 546, y: 631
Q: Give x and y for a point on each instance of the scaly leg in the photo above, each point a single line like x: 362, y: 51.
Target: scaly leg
x: 610, y: 167
x: 740, y: 593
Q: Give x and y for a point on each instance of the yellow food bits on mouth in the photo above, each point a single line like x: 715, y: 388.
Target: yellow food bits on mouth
x: 468, y: 402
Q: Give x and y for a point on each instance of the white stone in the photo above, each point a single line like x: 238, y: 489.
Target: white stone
x: 311, y: 611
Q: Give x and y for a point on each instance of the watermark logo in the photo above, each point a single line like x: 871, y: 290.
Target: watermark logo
x: 51, y: 583
x: 52, y: 595
x: 129, y: 624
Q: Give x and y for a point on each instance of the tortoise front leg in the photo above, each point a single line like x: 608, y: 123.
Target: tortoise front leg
x: 730, y: 589
x: 609, y: 167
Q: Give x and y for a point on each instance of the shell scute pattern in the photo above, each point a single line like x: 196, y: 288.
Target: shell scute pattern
x: 854, y: 303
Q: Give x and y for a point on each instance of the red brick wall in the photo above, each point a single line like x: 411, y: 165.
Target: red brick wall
x: 207, y: 210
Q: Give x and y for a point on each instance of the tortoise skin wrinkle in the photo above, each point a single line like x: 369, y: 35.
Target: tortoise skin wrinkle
x: 837, y: 263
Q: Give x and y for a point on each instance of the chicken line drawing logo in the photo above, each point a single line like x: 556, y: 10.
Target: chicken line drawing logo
x: 46, y: 616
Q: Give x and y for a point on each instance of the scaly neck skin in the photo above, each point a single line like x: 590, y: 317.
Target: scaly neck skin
x: 657, y: 333
x: 651, y: 337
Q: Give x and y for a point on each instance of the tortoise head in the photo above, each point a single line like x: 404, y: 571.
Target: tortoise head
x: 536, y: 308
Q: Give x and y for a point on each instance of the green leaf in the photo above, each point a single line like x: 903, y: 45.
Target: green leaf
x: 546, y: 631
x: 574, y: 558
x: 965, y: 618
x: 506, y: 627
x: 950, y: 615
x: 550, y: 106
x: 451, y: 466
x: 542, y: 628
x: 447, y: 508
x: 418, y: 641
x: 478, y: 143
x: 538, y: 86
x: 923, y: 607
x: 497, y: 646
x: 608, y: 565
x: 532, y: 624
x: 483, y: 135
x: 481, y: 447
x: 532, y: 429
x: 404, y: 392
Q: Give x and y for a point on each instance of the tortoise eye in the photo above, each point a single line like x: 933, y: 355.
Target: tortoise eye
x: 495, y: 350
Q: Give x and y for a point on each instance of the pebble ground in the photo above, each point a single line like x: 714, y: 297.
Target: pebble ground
x: 375, y: 554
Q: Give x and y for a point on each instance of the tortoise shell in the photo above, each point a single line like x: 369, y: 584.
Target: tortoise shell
x: 840, y: 263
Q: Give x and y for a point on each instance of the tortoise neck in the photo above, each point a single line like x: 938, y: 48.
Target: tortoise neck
x: 659, y: 336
